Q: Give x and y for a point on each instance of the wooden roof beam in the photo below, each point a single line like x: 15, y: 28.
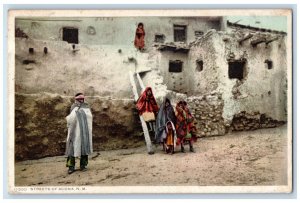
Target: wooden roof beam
x: 246, y: 37
x: 271, y: 40
x: 257, y: 41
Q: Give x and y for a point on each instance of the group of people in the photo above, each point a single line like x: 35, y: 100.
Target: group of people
x: 170, y: 128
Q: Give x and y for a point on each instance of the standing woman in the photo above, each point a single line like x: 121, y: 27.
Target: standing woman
x: 166, y: 113
x: 147, y: 107
x: 139, y: 41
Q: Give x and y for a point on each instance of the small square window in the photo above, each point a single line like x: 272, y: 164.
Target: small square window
x: 175, y: 66
x: 70, y: 35
x: 269, y: 64
x: 179, y: 33
x: 236, y: 69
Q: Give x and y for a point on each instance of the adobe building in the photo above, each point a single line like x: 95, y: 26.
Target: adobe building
x: 234, y: 77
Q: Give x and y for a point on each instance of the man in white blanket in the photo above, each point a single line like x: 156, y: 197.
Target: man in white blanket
x: 79, y: 140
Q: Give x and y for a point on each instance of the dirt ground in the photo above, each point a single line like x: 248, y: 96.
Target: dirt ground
x: 240, y: 158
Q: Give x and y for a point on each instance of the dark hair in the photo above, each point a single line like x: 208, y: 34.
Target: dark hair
x: 140, y: 24
x: 181, y: 102
x: 78, y: 94
x: 184, y: 103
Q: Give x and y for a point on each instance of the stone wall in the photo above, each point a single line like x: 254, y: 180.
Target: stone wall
x: 41, y: 128
x: 252, y: 121
x: 207, y: 111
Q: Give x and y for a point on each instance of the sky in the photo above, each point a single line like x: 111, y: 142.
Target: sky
x: 278, y: 23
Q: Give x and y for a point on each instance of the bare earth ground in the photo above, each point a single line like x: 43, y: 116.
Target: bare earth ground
x: 241, y: 158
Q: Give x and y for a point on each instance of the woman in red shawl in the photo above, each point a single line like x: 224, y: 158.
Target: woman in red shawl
x: 147, y: 104
x: 184, y: 126
x: 139, y: 42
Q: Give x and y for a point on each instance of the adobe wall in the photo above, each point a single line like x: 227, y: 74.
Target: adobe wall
x: 94, y: 70
x: 115, y: 30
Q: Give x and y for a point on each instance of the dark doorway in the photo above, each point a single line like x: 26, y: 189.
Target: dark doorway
x: 70, y: 35
x: 236, y: 69
x: 179, y: 33
x: 175, y: 66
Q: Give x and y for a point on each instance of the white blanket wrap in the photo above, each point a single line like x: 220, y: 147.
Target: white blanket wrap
x: 79, y: 140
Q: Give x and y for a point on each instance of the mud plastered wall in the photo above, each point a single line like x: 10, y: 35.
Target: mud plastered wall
x: 262, y: 91
x: 258, y: 100
x: 111, y: 30
x: 41, y: 128
x: 203, y: 81
x: 95, y: 70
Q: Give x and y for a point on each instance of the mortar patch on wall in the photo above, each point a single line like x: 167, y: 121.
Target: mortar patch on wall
x: 35, y: 25
x: 91, y: 30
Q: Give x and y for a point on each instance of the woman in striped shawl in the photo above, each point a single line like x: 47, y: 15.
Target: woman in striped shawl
x: 79, y: 140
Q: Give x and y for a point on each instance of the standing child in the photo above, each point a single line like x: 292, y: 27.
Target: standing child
x: 170, y: 141
x: 139, y: 41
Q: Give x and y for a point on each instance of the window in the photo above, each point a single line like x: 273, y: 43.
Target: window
x: 236, y: 69
x: 159, y: 38
x: 175, y: 66
x: 179, y: 33
x: 31, y: 50
x: 199, y: 66
x: 70, y: 35
x: 269, y: 64
x: 198, y: 33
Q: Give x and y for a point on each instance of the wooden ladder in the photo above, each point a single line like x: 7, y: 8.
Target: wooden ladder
x: 136, y: 96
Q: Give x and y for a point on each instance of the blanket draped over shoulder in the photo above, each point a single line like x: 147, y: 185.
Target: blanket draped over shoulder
x: 165, y: 114
x: 147, y: 103
x: 185, y: 126
x: 181, y: 123
x: 79, y: 139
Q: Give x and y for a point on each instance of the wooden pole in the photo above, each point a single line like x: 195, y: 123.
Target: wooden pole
x: 140, y: 81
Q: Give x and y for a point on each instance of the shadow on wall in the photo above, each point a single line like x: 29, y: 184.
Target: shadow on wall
x: 41, y: 129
